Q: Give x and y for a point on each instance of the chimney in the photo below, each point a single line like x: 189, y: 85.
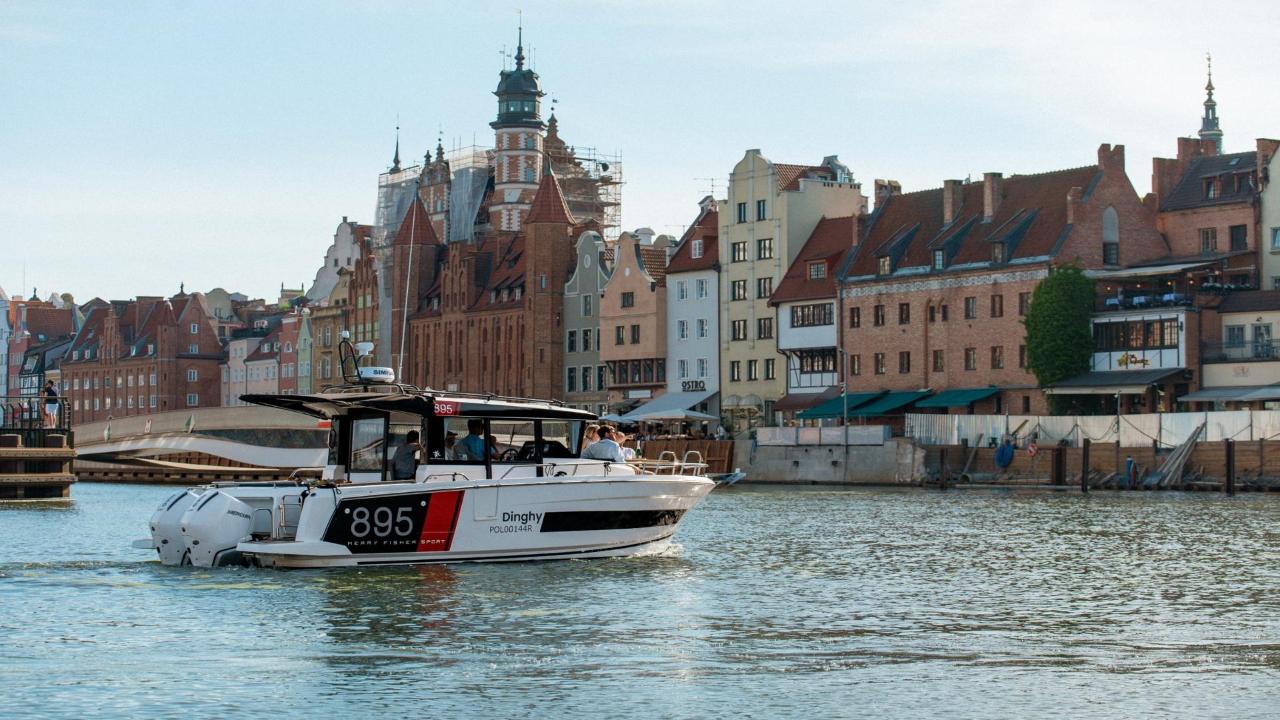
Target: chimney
x: 885, y: 189
x: 1073, y: 199
x: 992, y: 192
x: 1111, y: 158
x: 344, y: 219
x: 952, y: 199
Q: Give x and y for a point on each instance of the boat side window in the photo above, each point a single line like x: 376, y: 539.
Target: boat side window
x: 558, y: 438
x: 463, y: 441
x: 368, y: 444
x: 396, y: 437
x: 513, y: 441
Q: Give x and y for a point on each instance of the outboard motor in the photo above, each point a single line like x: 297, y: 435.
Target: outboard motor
x: 212, y: 528
x: 166, y: 528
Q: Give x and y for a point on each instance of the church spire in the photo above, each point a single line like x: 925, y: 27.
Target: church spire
x: 1209, y: 129
x: 395, y: 162
x: 520, y: 44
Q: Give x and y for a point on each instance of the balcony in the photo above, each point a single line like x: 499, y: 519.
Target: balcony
x: 1255, y: 351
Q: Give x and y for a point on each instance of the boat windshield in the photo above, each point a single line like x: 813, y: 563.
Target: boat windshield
x: 481, y: 440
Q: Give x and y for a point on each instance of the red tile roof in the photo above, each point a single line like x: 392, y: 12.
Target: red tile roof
x: 789, y: 175
x: 548, y: 203
x: 830, y: 242
x: 416, y: 228
x: 1031, y: 218
x: 707, y: 229
x: 653, y: 260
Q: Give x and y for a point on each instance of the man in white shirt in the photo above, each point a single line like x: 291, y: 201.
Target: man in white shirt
x: 604, y: 448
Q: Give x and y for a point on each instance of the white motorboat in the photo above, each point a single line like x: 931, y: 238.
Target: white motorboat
x: 497, y: 479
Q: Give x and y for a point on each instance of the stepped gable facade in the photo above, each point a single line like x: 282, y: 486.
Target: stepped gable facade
x: 935, y: 293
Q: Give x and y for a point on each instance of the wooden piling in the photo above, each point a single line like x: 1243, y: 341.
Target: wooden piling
x: 1229, y: 485
x: 1084, y: 466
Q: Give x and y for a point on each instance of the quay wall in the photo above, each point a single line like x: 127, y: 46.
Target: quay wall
x: 896, y: 462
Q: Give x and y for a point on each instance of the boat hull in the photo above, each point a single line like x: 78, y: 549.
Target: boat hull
x: 430, y: 523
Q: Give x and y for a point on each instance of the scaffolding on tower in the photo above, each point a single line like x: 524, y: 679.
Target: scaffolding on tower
x: 591, y: 182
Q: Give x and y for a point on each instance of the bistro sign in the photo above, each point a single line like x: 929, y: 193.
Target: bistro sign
x: 693, y: 385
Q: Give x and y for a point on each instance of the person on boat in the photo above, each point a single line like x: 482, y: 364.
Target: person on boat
x: 604, y: 448
x: 473, y: 445
x: 404, y: 464
x: 450, y: 439
x: 628, y: 452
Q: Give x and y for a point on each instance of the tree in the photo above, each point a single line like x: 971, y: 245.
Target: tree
x: 1059, y: 332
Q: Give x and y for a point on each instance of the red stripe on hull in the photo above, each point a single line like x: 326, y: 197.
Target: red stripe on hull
x: 441, y: 521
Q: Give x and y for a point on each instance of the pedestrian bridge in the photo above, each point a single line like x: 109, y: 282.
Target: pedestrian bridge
x: 248, y: 436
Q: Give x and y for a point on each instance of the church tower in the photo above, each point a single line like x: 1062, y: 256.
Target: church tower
x: 1209, y: 129
x: 517, y: 144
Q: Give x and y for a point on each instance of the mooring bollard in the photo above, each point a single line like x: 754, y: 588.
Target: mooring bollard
x: 1084, y: 466
x: 1229, y: 484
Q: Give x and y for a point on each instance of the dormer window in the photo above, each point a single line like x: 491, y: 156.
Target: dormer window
x: 506, y: 294
x: 997, y: 253
x: 885, y: 265
x: 1210, y: 188
x: 939, y: 259
x: 817, y: 270
x: 493, y: 295
x: 696, y: 249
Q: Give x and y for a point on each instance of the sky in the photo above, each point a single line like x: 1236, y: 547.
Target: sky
x: 216, y: 144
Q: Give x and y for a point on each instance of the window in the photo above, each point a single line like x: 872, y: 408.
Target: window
x: 571, y: 341
x: 742, y: 212
x: 702, y: 327
x: 764, y: 328
x: 944, y: 313
x: 586, y: 341
x: 702, y: 367
x: 696, y: 249
x: 1022, y: 356
x: 739, y: 250
x: 904, y: 313
x: 739, y: 330
x: 192, y: 375
x: 682, y: 290
x: 1239, y: 237
x: 939, y: 360
x: 884, y: 265
x: 764, y: 249
x: 600, y: 383
x: 628, y: 299
x: 193, y: 400
x: 1136, y: 334
x: 997, y: 253
x: 878, y: 315
x: 586, y: 306
x: 738, y: 290
x: 997, y: 306
x: 619, y: 335
x: 879, y: 363
x: 970, y: 308
x: 997, y: 357
x: 764, y: 287
x: 1024, y: 302
x: 735, y: 370
x: 817, y: 270
x: 1208, y: 239
x: 682, y: 367
x: 970, y: 358
x: 571, y: 380
x: 700, y: 289
x: 939, y: 259
x: 855, y: 364
x: 193, y: 348
x: 195, y: 328
x: 753, y: 370
x: 855, y: 317
x: 586, y: 378
x: 682, y: 329
x: 812, y: 315
x: 1110, y: 254
x: 760, y: 210
x: 1210, y: 188
x: 635, y: 334
x: 1275, y: 238
x: 904, y: 362
x: 817, y: 361
x: 1110, y: 237
x: 130, y: 379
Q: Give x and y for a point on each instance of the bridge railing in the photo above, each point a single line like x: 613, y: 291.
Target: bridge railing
x: 33, y: 418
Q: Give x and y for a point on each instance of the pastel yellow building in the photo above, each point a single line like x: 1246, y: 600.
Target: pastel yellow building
x: 769, y: 211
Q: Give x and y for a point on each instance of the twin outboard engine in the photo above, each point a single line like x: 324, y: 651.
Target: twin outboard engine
x: 166, y: 528
x: 213, y: 526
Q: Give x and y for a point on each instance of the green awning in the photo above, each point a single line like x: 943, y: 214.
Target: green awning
x: 960, y: 397
x: 834, y: 407
x: 889, y: 403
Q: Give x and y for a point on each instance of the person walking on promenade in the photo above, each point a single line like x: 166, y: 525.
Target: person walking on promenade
x: 50, y: 405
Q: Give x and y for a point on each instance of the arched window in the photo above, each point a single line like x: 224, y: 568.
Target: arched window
x: 1110, y: 237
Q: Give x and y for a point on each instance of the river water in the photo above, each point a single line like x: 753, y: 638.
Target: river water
x: 778, y: 602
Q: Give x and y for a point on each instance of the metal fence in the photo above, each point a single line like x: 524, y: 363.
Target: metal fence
x: 28, y: 417
x: 1162, y: 429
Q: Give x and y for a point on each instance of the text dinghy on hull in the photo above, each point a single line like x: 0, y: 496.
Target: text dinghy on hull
x: 419, y: 476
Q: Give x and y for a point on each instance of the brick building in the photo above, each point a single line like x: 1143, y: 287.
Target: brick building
x: 492, y: 319
x: 141, y: 356
x: 935, y: 293
x: 633, y: 318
